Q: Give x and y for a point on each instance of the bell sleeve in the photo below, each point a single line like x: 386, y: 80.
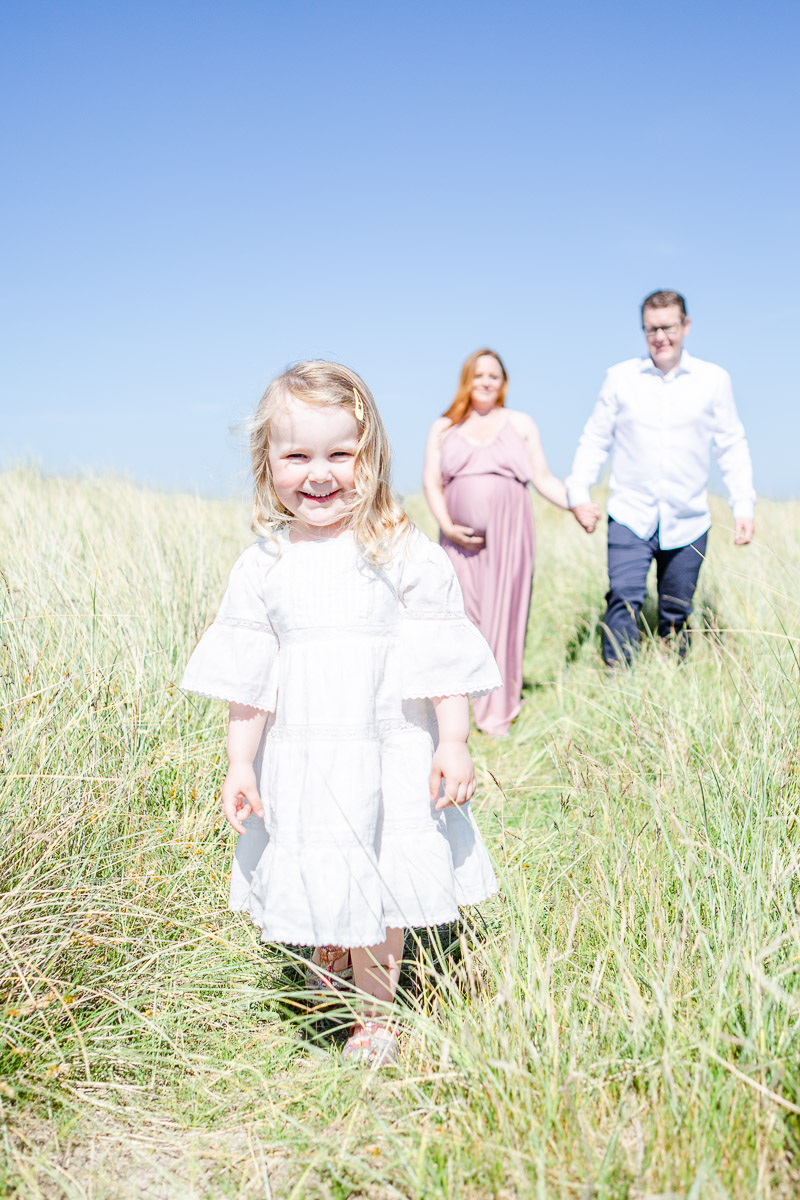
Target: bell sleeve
x: 441, y: 652
x: 236, y: 659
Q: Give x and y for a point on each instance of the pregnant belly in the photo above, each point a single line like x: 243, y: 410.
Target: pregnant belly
x: 471, y: 499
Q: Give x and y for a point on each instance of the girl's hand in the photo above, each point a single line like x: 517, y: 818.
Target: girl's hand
x: 453, y: 765
x: 463, y: 536
x: 240, y: 798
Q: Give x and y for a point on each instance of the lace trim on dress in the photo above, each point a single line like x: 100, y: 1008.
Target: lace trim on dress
x: 449, y: 615
x: 342, y: 733
x: 282, y: 935
x: 309, y: 632
x: 245, y: 623
x: 227, y: 698
x: 454, y: 689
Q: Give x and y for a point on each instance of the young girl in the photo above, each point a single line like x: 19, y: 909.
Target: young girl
x: 343, y: 650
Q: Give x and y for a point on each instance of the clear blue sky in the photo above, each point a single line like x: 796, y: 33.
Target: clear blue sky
x: 198, y: 193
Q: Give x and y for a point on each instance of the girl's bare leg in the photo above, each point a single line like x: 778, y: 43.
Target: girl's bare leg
x: 376, y: 971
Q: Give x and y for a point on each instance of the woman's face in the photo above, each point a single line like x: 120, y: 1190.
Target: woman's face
x: 487, y: 384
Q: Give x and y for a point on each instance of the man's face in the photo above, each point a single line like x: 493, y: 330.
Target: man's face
x: 665, y: 329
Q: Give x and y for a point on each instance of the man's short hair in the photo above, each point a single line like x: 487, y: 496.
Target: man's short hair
x: 664, y: 300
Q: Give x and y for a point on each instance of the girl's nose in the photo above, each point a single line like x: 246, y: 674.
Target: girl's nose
x: 319, y: 470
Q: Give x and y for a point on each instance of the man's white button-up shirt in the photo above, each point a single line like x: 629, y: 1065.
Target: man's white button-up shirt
x: 662, y: 428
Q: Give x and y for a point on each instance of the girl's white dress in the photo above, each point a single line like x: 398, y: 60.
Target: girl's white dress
x: 344, y: 657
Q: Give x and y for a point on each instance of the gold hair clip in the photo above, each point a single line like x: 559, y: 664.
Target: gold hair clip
x: 359, y: 408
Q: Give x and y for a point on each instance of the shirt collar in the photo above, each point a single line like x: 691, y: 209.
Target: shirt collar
x: 684, y: 367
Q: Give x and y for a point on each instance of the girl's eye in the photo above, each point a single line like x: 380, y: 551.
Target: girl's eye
x: 341, y: 454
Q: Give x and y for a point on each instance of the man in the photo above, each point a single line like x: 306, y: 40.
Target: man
x: 662, y: 414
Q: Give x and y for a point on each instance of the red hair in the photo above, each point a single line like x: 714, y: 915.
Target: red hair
x: 462, y: 401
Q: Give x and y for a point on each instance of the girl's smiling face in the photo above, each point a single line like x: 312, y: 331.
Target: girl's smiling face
x: 312, y: 456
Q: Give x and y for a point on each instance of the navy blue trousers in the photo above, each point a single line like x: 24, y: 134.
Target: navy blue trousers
x: 629, y: 559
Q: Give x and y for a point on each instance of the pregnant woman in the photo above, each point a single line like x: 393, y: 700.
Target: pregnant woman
x: 479, y: 459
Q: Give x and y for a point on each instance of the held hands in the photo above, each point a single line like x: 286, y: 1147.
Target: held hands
x: 240, y: 798
x: 744, y: 530
x: 463, y: 536
x: 453, y: 765
x: 587, y: 516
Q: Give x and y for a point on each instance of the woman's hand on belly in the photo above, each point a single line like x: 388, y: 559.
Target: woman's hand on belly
x: 464, y: 536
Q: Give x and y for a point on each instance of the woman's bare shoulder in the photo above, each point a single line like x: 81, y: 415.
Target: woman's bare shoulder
x: 522, y: 422
x: 440, y: 427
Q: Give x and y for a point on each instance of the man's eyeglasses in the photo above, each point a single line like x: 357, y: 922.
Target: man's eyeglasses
x: 651, y: 331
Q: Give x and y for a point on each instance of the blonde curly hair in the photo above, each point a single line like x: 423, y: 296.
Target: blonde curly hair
x: 376, y: 517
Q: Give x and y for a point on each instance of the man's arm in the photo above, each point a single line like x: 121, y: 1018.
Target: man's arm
x: 593, y: 447
x: 733, y: 455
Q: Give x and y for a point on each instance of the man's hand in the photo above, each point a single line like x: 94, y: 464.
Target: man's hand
x: 587, y: 516
x: 744, y: 530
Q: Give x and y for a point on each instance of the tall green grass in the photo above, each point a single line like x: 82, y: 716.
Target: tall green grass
x: 621, y: 1022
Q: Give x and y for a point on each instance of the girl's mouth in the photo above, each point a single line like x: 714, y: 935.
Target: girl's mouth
x: 319, y: 498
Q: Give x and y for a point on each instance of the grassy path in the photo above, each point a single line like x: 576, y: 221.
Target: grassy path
x: 621, y: 1022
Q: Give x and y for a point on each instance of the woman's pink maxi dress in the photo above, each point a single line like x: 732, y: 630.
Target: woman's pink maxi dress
x: 485, y: 488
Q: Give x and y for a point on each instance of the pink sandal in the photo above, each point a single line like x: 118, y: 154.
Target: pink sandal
x: 372, y: 1043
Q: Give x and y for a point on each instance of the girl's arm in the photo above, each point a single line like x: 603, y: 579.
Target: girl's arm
x: 451, y: 760
x: 240, y: 798
x: 433, y: 487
